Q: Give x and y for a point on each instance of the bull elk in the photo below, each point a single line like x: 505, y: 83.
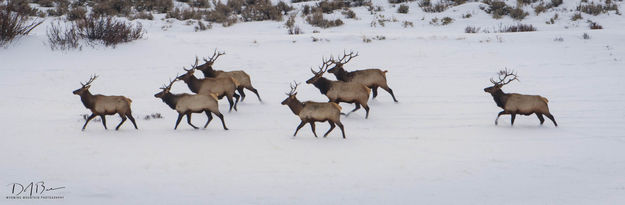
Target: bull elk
x: 339, y: 91
x: 311, y: 112
x: 102, y: 105
x: 219, y: 86
x: 186, y: 104
x: 239, y: 75
x: 372, y: 78
x: 513, y: 103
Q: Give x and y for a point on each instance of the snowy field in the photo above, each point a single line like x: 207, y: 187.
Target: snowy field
x: 438, y: 145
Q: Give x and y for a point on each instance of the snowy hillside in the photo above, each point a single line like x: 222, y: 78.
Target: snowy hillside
x: 438, y: 145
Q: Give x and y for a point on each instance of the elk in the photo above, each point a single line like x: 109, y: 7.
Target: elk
x: 102, y: 105
x: 339, y: 91
x: 513, y: 103
x: 186, y: 104
x: 311, y: 112
x: 372, y: 78
x: 239, y: 75
x: 219, y: 86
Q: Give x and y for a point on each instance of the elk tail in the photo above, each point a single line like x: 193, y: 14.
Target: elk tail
x: 336, y: 105
x: 128, y: 100
x: 544, y: 99
x: 214, y: 96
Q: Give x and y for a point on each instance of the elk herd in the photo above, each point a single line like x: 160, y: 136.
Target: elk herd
x: 349, y: 87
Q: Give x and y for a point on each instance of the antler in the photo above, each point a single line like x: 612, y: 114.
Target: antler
x: 293, y: 89
x: 345, y: 55
x: 322, y: 68
x: 503, y: 74
x: 93, y: 77
x: 216, y: 55
x: 171, y: 82
x: 192, y: 66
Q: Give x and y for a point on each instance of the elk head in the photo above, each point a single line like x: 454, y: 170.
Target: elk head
x: 341, y: 61
x: 85, y: 86
x: 165, y: 89
x: 211, y: 60
x: 318, y: 74
x: 292, y: 94
x: 503, y: 80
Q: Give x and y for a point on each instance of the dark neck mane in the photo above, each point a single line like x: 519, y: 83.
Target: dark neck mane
x: 208, y: 71
x: 296, y: 106
x: 193, y: 83
x: 343, y: 75
x: 323, y: 84
x: 87, y: 99
x: 500, y: 98
x: 171, y: 100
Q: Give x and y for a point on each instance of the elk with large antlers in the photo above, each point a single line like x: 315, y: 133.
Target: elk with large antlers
x: 239, y: 75
x: 102, y: 105
x: 339, y: 91
x: 219, y: 86
x: 186, y: 104
x: 513, y: 103
x: 311, y: 112
x: 372, y: 78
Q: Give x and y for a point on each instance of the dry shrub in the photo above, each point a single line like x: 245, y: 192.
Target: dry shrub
x: 403, y: 9
x: 108, y: 30
x: 93, y: 30
x: 317, y: 19
x: 111, y: 7
x: 517, y: 28
x: 63, y: 38
x: 596, y: 9
x: 76, y: 13
x: 594, y: 25
x: 13, y: 25
x: 142, y: 15
x: 472, y: 29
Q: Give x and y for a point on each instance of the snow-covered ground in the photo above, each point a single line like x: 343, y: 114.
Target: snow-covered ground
x: 438, y: 145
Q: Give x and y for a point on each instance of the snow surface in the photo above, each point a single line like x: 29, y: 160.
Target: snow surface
x: 438, y: 145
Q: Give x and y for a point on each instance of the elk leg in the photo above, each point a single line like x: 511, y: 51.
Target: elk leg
x: 240, y: 90
x: 540, y: 117
x: 331, y: 128
x: 374, y: 90
x: 513, y: 115
x: 366, y: 109
x: 221, y: 116
x: 178, y: 120
x: 390, y: 92
x: 103, y: 117
x: 210, y: 117
x: 255, y: 92
x: 88, y: 119
x: 500, y: 113
x: 231, y: 103
x: 312, y: 126
x: 236, y: 102
x: 132, y: 119
x: 342, y: 130
x: 356, y: 108
x: 552, y: 119
x: 122, y: 122
x: 301, y: 124
x: 189, y: 121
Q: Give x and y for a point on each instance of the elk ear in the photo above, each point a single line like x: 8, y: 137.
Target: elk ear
x: 87, y: 87
x: 294, y: 94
